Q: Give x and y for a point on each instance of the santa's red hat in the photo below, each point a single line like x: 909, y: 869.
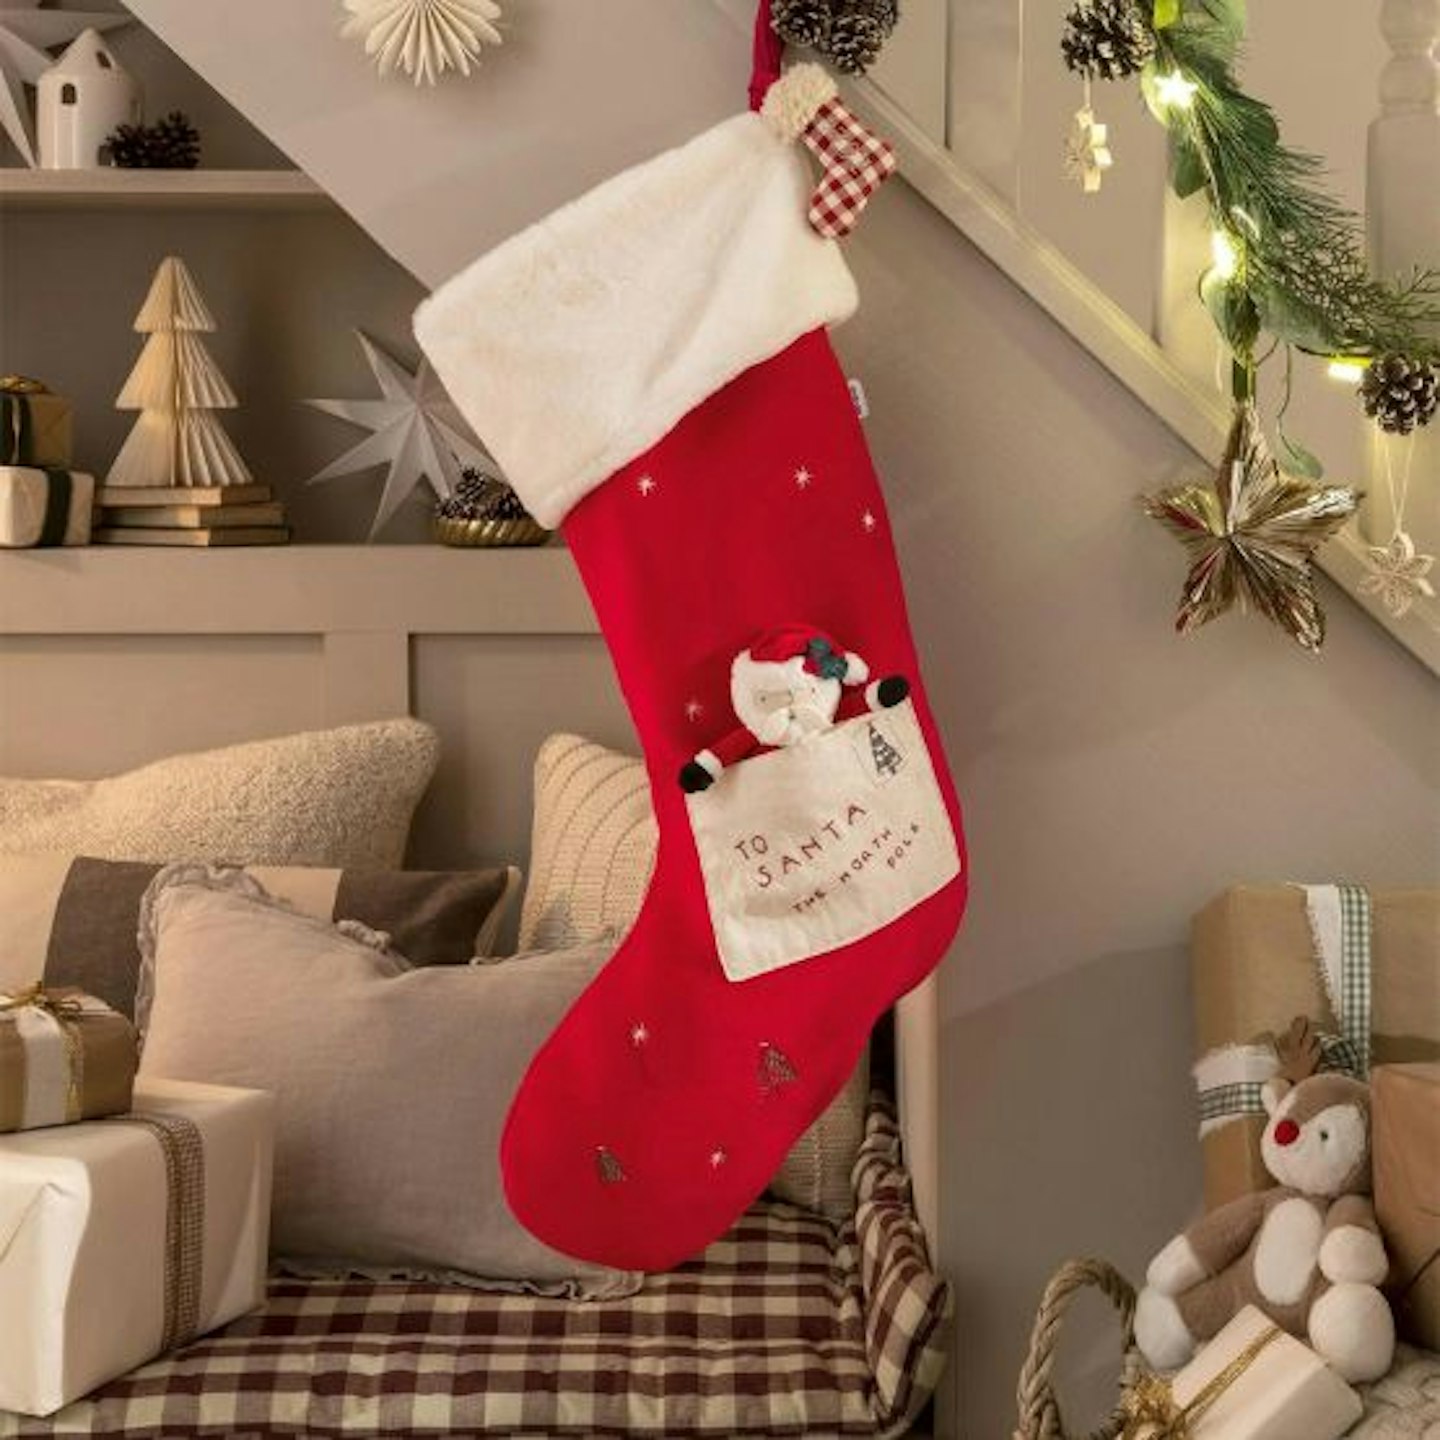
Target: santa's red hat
x: 822, y: 656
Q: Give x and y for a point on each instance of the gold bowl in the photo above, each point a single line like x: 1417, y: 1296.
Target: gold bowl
x: 491, y: 533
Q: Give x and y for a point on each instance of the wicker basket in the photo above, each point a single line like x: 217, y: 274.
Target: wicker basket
x: 1039, y: 1410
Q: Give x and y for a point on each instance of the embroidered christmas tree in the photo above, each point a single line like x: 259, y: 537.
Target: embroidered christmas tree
x: 775, y: 1068
x: 176, y: 386
x: 887, y: 758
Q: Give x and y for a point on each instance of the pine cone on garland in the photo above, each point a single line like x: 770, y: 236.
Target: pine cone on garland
x: 802, y: 22
x: 858, y: 32
x: 1400, y: 393
x: 1106, y: 39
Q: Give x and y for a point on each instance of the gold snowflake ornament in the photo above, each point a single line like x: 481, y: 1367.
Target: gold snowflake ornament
x: 1087, y: 151
x: 1398, y: 574
x: 1251, y: 533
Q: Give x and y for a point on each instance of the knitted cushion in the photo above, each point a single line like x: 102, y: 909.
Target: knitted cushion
x: 592, y: 850
x: 326, y: 797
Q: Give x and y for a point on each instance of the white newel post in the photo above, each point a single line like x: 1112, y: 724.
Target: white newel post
x: 1402, y: 205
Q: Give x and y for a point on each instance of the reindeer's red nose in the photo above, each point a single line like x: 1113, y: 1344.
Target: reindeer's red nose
x: 1287, y: 1132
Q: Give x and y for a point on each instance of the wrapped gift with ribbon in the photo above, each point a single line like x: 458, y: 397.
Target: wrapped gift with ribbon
x: 1251, y: 1382
x: 34, y: 424
x: 43, y: 507
x: 124, y: 1238
x: 64, y: 1057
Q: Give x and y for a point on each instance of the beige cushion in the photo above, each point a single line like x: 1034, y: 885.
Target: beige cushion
x: 393, y: 1082
x: 592, y: 851
x: 327, y: 797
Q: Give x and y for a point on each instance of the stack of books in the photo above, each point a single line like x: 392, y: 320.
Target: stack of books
x: 189, y: 515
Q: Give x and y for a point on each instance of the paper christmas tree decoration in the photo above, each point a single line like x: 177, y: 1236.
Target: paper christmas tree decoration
x: 176, y: 387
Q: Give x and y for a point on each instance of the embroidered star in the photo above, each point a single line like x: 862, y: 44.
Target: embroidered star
x: 639, y: 1034
x: 803, y: 478
x: 869, y: 522
x: 693, y: 710
x: 646, y: 484
x: 717, y: 1158
x: 1398, y: 574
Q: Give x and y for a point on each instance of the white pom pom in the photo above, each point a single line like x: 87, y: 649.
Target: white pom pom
x: 857, y: 672
x: 791, y: 102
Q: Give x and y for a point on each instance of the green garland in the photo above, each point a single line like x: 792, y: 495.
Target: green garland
x: 1290, y: 257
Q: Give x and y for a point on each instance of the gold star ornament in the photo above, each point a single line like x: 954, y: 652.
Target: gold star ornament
x: 1087, y: 151
x: 1251, y: 533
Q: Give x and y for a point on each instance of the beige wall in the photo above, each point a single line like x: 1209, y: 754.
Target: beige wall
x: 1114, y: 776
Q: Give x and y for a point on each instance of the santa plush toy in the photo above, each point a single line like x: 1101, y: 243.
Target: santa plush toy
x: 786, y: 689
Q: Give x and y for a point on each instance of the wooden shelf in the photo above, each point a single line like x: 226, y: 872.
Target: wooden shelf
x: 292, y: 590
x: 25, y: 189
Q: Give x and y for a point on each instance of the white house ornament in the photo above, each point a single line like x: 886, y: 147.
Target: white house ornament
x: 416, y: 432
x: 1087, y: 151
x: 423, y: 38
x: 79, y: 100
x: 26, y: 33
x: 1251, y: 533
x: 1398, y: 574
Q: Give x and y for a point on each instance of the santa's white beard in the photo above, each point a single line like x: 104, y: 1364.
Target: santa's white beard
x: 791, y: 724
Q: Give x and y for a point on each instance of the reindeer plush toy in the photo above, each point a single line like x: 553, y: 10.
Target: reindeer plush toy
x: 1307, y: 1252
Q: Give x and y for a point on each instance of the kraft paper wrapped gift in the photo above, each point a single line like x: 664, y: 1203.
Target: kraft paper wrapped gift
x: 35, y: 424
x: 45, y: 507
x: 1253, y: 970
x: 64, y: 1057
x: 121, y: 1239
x: 1283, y: 1390
x: 1405, y: 1101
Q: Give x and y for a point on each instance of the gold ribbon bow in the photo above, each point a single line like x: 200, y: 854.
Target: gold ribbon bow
x: 62, y: 1004
x: 1150, y: 1408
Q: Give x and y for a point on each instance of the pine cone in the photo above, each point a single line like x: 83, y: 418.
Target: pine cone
x: 1106, y: 39
x: 1400, y: 393
x: 174, y: 143
x: 479, y: 496
x: 856, y: 36
x: 129, y: 146
x: 802, y: 22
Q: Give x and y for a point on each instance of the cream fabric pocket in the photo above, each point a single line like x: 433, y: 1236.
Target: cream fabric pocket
x: 809, y: 848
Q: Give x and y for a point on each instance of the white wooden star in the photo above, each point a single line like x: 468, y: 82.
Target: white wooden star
x: 646, y: 485
x: 803, y: 478
x: 1398, y: 575
x: 869, y: 522
x: 26, y: 33
x: 639, y: 1034
x: 693, y: 710
x: 415, y: 430
x: 1087, y: 151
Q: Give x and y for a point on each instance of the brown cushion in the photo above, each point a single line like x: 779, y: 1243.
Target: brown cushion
x: 72, y: 921
x: 393, y: 1082
x: 592, y: 852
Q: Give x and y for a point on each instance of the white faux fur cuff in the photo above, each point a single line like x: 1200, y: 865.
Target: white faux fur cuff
x: 575, y: 346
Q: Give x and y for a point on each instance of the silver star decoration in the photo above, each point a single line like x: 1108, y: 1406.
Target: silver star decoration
x: 416, y: 431
x: 869, y: 522
x: 26, y: 33
x: 803, y: 478
x: 646, y: 484
x: 639, y: 1034
x: 693, y: 710
x: 1398, y: 574
x: 1087, y: 151
x: 718, y: 1157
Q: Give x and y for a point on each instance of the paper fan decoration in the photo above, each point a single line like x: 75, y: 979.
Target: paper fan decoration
x: 175, y: 386
x: 424, y: 38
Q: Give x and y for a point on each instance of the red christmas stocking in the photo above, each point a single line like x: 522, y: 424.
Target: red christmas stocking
x: 650, y: 367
